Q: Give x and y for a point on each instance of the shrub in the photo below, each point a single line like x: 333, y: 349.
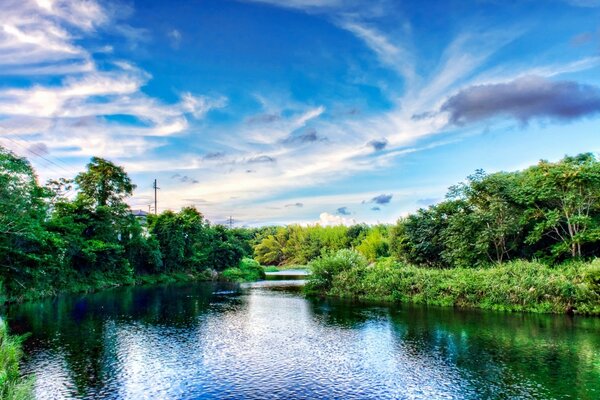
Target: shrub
x: 326, y: 267
x: 248, y: 270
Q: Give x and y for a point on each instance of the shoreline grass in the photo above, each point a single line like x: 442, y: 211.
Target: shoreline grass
x: 517, y: 286
x: 13, y: 386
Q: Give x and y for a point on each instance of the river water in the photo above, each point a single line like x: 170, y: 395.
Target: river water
x: 266, y: 341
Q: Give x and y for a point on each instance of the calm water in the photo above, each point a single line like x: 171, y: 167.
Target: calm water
x: 205, y: 341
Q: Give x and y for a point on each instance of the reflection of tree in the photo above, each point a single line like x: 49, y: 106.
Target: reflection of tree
x: 338, y: 313
x: 82, y: 327
x: 508, y: 352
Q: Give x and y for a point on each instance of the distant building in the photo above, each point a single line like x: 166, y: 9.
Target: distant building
x: 141, y: 215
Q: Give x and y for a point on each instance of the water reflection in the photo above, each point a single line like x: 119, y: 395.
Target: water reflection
x: 265, y: 341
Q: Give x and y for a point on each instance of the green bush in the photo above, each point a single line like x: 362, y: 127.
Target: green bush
x: 248, y: 270
x: 12, y: 385
x: 325, y: 268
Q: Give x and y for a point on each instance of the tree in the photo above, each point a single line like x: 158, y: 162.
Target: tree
x: 270, y: 250
x: 104, y: 184
x: 374, y: 245
x: 25, y: 246
x: 489, y: 221
x: 564, y: 202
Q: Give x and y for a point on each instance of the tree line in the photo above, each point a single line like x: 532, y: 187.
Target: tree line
x: 549, y: 212
x: 80, y: 232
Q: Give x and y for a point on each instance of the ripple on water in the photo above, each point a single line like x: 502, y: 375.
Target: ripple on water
x: 196, y: 341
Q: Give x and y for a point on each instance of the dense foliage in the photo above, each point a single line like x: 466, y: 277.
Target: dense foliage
x: 549, y: 212
x: 78, y: 234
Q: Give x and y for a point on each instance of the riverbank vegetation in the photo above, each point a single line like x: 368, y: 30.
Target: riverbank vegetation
x: 543, y: 222
x: 249, y: 270
x: 79, y: 235
x: 511, y: 286
x: 12, y: 385
x: 510, y: 241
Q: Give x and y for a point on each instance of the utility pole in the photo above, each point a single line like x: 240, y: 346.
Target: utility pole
x: 155, y: 197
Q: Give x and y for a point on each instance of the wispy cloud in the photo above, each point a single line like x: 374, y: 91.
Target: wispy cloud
x: 79, y: 115
x: 174, y: 36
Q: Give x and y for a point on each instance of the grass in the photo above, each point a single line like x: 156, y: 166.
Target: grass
x: 513, y: 286
x: 12, y: 385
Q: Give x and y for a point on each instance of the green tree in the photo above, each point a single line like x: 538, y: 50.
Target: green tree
x: 375, y: 245
x: 104, y: 184
x: 25, y: 246
x: 564, y: 203
x: 270, y: 250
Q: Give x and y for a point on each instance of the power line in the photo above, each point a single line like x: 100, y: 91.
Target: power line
x: 36, y: 153
x: 48, y: 161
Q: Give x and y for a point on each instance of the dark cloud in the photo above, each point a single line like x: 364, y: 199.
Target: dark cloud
x: 523, y: 99
x: 343, y: 211
x: 261, y: 159
x: 39, y: 149
x: 308, y: 136
x: 423, y: 115
x: 378, y: 145
x: 184, y: 178
x: 263, y: 119
x: 428, y: 201
x: 295, y: 205
x: 214, y: 155
x: 381, y: 199
x: 375, y: 208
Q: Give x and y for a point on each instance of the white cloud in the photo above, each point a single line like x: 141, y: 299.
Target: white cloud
x: 80, y: 116
x: 326, y: 219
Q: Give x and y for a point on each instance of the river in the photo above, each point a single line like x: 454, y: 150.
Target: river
x: 266, y: 341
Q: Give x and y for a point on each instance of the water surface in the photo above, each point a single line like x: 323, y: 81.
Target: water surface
x: 265, y: 341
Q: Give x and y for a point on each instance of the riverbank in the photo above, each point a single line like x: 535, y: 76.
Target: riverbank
x: 99, y: 281
x: 247, y: 270
x: 518, y: 286
x: 12, y: 385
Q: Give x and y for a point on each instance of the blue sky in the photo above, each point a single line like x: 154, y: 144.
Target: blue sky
x: 303, y: 111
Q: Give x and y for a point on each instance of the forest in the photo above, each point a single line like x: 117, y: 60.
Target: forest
x: 78, y: 234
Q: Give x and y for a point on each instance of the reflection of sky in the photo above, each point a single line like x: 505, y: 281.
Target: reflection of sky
x: 53, y: 378
x: 268, y: 344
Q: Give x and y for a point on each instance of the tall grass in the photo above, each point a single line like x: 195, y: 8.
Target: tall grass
x: 514, y: 286
x: 12, y: 384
